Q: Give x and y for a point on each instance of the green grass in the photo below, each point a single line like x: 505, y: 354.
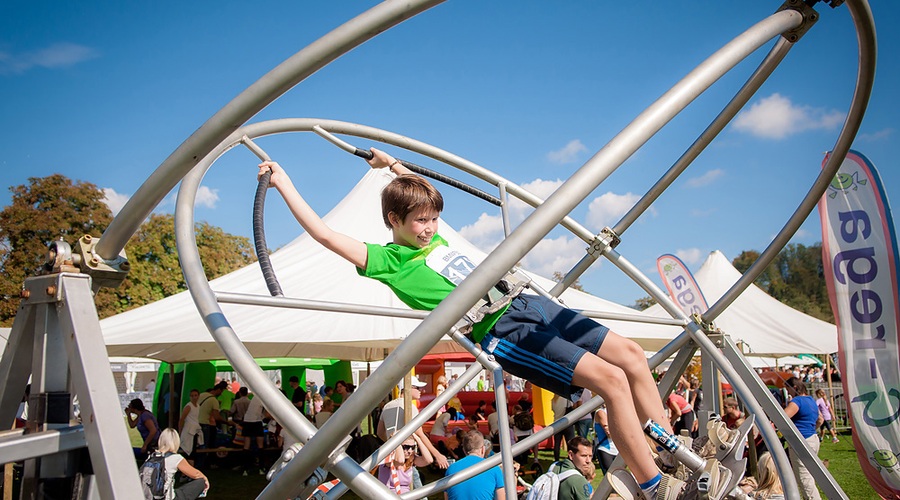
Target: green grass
x: 842, y: 463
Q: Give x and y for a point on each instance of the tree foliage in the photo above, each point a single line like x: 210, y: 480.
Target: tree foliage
x: 643, y: 303
x: 559, y: 277
x: 54, y: 207
x: 155, y: 271
x: 47, y: 209
x: 796, y: 277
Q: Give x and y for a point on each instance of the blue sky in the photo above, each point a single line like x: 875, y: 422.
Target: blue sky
x: 104, y: 91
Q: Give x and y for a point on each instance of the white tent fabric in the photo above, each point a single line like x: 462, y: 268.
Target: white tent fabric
x: 764, y: 326
x: 172, y: 330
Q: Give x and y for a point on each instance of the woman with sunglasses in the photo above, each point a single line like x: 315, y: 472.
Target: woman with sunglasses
x: 397, y: 470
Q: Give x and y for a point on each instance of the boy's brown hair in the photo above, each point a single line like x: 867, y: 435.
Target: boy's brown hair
x: 407, y: 193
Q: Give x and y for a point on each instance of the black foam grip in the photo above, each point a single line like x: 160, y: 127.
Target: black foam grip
x: 362, y: 153
x: 450, y: 181
x: 259, y: 236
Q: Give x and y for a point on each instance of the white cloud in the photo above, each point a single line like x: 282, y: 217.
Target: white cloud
x: 485, y: 233
x: 705, y: 179
x: 568, y: 153
x: 115, y: 201
x: 554, y: 254
x: 206, y: 197
x: 877, y: 136
x: 776, y: 117
x: 691, y: 256
x: 608, y: 208
x: 58, y: 55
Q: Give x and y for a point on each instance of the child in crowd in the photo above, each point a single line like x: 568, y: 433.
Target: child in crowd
x: 533, y: 337
x: 827, y: 416
x: 397, y: 470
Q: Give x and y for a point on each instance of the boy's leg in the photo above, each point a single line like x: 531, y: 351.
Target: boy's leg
x: 611, y: 383
x: 628, y: 356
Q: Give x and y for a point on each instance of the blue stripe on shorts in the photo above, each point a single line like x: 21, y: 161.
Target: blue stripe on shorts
x: 542, y: 342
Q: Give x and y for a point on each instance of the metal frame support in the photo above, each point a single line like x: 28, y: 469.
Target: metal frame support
x: 56, y: 338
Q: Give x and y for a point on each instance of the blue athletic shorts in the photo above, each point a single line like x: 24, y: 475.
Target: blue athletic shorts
x: 541, y: 341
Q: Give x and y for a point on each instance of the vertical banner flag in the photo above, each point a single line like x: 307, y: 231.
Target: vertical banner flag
x: 859, y: 253
x: 681, y: 285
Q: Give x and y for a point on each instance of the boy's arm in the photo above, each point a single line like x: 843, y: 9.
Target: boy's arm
x: 380, y: 159
x: 347, y: 247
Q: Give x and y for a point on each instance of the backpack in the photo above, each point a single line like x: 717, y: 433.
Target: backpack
x: 153, y: 476
x: 546, y: 486
x: 523, y: 421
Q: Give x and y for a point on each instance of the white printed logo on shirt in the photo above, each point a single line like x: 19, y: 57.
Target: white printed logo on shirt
x: 449, y: 263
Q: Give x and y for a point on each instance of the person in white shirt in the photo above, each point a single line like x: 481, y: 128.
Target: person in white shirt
x: 392, y: 419
x: 441, y: 422
x: 189, y: 424
x: 253, y: 430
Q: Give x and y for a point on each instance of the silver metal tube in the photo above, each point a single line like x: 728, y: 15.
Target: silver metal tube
x: 255, y: 149
x: 762, y: 73
x: 249, y: 102
x: 583, y: 265
x: 865, y: 77
x: 316, y: 305
x: 504, y: 209
x: 16, y: 446
x: 328, y: 136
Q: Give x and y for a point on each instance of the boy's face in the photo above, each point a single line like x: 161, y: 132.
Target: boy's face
x: 417, y: 230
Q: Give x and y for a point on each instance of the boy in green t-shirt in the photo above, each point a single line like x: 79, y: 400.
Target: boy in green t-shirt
x: 533, y: 338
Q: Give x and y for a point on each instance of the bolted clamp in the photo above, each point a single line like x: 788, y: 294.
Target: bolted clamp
x: 605, y: 240
x: 810, y: 16
x: 103, y: 273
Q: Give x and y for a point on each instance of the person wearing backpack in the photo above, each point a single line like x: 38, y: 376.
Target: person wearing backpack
x: 158, y: 472
x: 565, y: 480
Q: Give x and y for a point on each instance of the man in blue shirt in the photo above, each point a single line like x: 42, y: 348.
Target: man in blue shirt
x: 485, y: 486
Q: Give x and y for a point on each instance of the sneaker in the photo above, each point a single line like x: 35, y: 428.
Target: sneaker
x: 245, y: 474
x: 624, y: 484
x: 670, y: 488
x: 713, y: 480
x: 262, y: 472
x: 835, y: 440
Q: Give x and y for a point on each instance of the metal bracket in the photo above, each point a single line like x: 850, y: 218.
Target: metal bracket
x: 103, y: 273
x: 810, y: 17
x: 605, y: 240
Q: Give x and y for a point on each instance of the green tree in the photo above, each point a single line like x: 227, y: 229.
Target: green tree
x: 796, y: 278
x: 46, y: 209
x: 54, y: 207
x: 643, y: 303
x: 155, y: 270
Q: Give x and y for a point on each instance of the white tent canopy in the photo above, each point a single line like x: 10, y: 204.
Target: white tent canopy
x: 763, y: 325
x: 172, y: 330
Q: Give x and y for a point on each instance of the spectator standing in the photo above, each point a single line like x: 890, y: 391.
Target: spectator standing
x: 209, y: 417
x: 254, y: 431
x: 298, y: 395
x: 146, y: 424
x: 560, y: 407
x: 583, y: 426
x: 605, y: 448
x: 240, y: 405
x: 731, y: 413
x: 803, y: 411
x: 485, y: 486
x: 827, y: 416
x: 189, y: 424
x: 480, y: 385
x: 681, y: 414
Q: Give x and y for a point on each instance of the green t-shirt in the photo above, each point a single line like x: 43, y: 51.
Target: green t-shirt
x: 422, y: 277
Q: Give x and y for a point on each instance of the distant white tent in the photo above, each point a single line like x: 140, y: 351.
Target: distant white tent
x: 171, y: 329
x: 763, y: 325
